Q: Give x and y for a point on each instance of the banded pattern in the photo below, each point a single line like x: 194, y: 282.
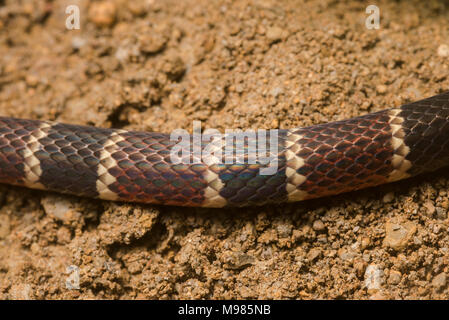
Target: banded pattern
x: 310, y: 162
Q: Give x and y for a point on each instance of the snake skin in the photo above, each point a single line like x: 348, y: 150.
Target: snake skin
x: 312, y: 162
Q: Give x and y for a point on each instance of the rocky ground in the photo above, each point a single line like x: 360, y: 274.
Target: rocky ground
x: 158, y: 65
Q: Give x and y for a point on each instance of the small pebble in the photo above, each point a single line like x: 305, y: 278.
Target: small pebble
x: 32, y: 80
x: 318, y: 225
x: 313, y: 254
x: 60, y: 208
x: 436, y: 228
x: 381, y: 88
x: 360, y: 267
x: 346, y: 254
x: 373, y: 277
x: 365, y: 243
x: 443, y: 50
x: 441, y: 213
x: 388, y: 197
x: 417, y: 241
x: 122, y: 54
x: 284, y: 230
x: 397, y: 235
x: 238, y: 260
x: 152, y: 43
x: 174, y: 68
x: 137, y: 8
x: 429, y: 207
x: 439, y: 281
x: 395, y: 277
x: 275, y: 34
x: 103, y: 13
x: 20, y: 291
x: 63, y: 235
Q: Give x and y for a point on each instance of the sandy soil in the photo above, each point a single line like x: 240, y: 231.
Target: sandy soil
x: 158, y: 65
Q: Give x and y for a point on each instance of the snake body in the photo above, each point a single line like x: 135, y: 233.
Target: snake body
x: 311, y: 162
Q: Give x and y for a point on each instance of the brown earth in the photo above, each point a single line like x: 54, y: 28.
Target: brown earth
x: 158, y: 65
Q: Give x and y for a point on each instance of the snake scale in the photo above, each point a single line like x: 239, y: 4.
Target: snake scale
x: 312, y: 162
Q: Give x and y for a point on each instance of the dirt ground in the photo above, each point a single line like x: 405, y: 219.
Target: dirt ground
x: 157, y: 65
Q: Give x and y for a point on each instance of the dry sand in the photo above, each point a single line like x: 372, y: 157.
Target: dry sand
x: 158, y: 65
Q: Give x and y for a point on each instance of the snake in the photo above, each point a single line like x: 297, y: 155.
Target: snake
x: 150, y: 167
